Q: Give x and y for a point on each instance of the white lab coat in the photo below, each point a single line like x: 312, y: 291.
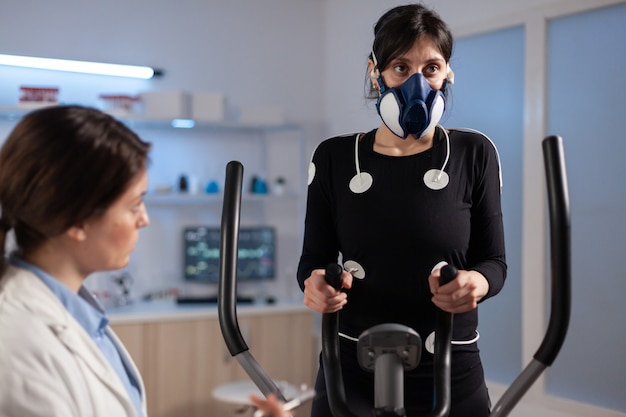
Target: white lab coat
x: 49, y: 366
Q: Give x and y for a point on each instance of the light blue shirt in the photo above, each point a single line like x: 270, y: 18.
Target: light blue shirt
x: 90, y: 315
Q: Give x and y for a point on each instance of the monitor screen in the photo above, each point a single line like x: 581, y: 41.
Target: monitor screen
x: 256, y: 253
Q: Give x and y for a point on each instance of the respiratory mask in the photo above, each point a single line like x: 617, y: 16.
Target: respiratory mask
x: 411, y: 108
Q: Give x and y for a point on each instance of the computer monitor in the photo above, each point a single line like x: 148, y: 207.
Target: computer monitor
x: 256, y: 257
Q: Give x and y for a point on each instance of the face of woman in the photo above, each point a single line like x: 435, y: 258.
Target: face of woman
x: 425, y: 58
x: 110, y: 238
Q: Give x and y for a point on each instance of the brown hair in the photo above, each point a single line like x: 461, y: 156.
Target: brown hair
x: 60, y: 166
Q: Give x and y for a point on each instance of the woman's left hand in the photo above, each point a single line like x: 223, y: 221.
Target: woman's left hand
x: 460, y: 295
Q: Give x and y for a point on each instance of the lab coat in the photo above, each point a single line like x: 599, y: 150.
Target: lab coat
x: 49, y: 366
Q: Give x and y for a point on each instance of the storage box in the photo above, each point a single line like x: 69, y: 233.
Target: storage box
x: 37, y: 97
x: 207, y: 107
x: 173, y: 104
x: 119, y: 105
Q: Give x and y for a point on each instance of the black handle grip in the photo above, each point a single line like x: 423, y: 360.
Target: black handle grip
x: 448, y: 273
x: 333, y: 275
x: 227, y: 287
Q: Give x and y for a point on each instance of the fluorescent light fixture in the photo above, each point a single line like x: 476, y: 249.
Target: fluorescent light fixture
x: 131, y: 71
x: 183, y: 123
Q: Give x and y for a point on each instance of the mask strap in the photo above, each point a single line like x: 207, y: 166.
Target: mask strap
x: 444, y: 88
x: 445, y: 162
x: 373, y: 56
x: 356, y: 155
x: 376, y: 73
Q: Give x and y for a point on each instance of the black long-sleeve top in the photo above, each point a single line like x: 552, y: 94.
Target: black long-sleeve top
x: 399, y: 229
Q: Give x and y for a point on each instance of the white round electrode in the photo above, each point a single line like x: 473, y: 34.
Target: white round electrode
x: 355, y: 269
x: 436, y: 179
x: 361, y: 182
x: 439, y: 265
x: 429, y: 343
x: 311, y: 173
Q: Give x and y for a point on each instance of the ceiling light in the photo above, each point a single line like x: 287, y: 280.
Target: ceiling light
x: 132, y: 71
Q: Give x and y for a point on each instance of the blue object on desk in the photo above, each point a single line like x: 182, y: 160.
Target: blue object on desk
x: 259, y: 186
x: 212, y: 187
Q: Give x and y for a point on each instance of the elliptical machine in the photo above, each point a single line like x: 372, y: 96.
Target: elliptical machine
x: 389, y: 349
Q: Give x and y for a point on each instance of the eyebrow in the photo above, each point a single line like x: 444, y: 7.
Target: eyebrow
x: 404, y: 59
x: 140, y: 196
x: 436, y: 59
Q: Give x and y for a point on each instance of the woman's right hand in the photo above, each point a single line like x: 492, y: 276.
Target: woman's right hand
x: 321, y: 297
x: 270, y: 407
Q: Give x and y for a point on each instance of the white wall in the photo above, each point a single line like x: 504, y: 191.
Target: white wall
x: 256, y: 52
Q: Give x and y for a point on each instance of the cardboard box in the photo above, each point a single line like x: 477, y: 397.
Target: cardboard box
x: 208, y: 107
x: 166, y: 105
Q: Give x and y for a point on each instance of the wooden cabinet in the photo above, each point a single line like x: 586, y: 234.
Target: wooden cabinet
x: 183, y: 359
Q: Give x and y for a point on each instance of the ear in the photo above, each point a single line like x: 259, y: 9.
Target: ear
x: 77, y: 233
x: 374, y: 74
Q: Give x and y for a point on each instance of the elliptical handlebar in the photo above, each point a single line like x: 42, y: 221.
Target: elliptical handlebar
x: 560, y: 261
x: 227, y: 292
x: 442, y: 356
x: 333, y: 374
x: 229, y: 238
x: 560, y: 250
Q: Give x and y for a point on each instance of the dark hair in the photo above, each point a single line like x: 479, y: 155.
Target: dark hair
x: 397, y: 30
x: 60, y: 166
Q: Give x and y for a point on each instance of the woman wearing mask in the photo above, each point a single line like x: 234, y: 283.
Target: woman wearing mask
x: 72, y: 181
x: 392, y: 204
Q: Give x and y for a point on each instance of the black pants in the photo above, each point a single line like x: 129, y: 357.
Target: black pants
x: 475, y: 405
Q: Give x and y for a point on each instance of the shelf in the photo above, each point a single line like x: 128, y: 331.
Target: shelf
x: 143, y: 123
x: 182, y: 199
x: 15, y: 113
x: 12, y: 113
